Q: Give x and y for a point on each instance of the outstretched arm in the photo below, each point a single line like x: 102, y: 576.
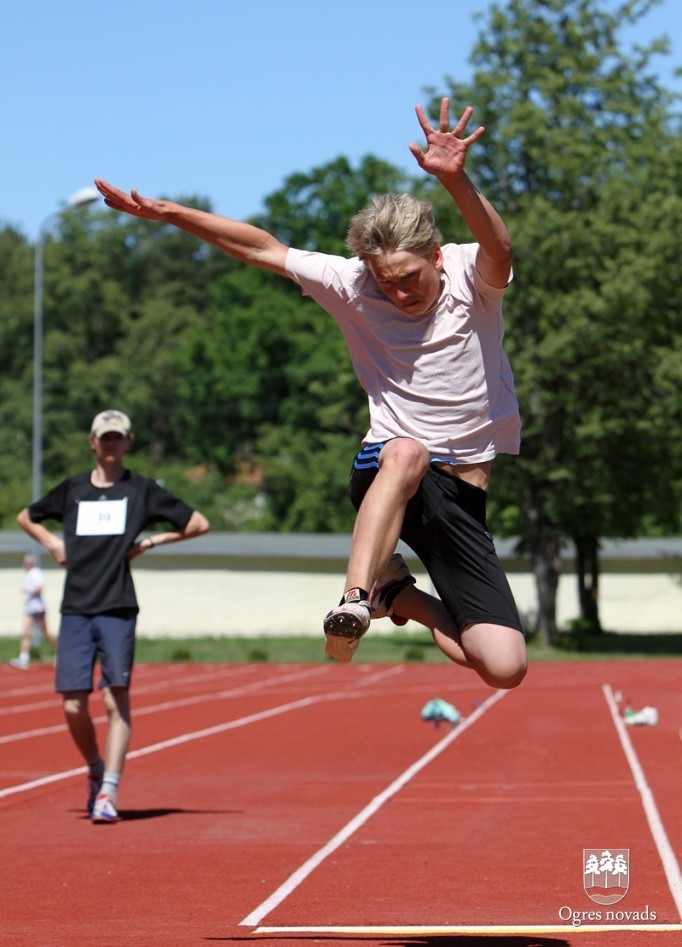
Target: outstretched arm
x: 444, y: 158
x: 240, y: 240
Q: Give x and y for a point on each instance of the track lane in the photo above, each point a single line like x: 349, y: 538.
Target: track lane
x: 507, y: 812
x: 215, y: 825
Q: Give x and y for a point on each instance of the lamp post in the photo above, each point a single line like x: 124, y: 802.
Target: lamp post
x: 86, y: 195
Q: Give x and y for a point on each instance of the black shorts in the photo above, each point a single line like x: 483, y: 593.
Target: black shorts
x: 445, y: 526
x: 84, y: 638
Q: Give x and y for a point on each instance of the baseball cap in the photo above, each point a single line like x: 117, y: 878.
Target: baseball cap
x: 107, y: 421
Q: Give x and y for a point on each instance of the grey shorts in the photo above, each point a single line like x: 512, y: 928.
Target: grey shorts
x: 83, y: 639
x: 445, y: 525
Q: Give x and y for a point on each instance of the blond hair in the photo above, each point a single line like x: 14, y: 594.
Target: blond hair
x: 393, y: 222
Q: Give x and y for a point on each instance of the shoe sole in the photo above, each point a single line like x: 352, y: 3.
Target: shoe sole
x: 341, y: 649
x: 343, y: 632
x: 90, y: 804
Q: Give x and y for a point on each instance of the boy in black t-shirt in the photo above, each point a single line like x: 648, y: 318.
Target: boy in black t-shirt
x: 103, y: 512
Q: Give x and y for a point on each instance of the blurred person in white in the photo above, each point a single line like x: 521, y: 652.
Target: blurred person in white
x: 35, y: 613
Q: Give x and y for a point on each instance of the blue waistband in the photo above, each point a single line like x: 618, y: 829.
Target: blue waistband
x: 368, y: 457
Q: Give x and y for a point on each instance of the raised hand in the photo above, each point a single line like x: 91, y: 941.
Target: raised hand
x: 445, y: 150
x: 132, y: 203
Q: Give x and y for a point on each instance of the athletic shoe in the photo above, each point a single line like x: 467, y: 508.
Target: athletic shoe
x: 19, y: 664
x: 104, y: 809
x: 94, y: 787
x: 344, y: 626
x: 646, y: 717
x: 393, y: 578
x: 439, y: 710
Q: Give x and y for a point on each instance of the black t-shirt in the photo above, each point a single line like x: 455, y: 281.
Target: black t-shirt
x: 98, y: 538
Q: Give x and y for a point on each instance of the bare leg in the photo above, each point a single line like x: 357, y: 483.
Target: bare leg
x: 24, y: 660
x: 26, y: 629
x: 402, y: 464
x: 419, y: 606
x: 42, y: 624
x: 495, y: 652
x: 117, y: 703
x: 79, y: 722
x: 82, y: 728
x: 498, y: 653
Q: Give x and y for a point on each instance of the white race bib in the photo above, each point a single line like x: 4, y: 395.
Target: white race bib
x: 101, y: 517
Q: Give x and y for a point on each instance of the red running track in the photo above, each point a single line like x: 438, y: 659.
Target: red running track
x: 310, y: 804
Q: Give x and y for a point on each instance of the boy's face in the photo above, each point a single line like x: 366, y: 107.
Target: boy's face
x: 412, y: 282
x: 111, y: 447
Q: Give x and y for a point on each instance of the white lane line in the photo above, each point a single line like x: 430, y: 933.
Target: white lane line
x: 39, y: 732
x: 27, y: 708
x: 665, y: 850
x: 207, y: 732
x: 250, y: 718
x: 294, y: 880
x: 435, y: 931
x: 141, y: 688
x: 43, y: 781
x: 165, y: 705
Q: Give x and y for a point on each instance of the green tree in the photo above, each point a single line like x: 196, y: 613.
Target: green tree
x: 16, y: 361
x: 142, y: 289
x: 572, y: 155
x: 118, y: 296
x: 267, y: 371
x: 312, y: 211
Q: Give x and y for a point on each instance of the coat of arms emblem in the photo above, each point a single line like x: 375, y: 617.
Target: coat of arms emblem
x: 606, y: 874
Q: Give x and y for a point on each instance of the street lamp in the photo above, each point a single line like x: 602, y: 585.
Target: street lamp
x: 86, y: 195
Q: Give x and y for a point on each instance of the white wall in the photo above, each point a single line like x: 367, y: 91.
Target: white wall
x: 192, y: 602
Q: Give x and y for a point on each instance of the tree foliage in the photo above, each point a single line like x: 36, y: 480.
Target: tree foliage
x: 241, y: 391
x: 227, y: 372
x: 581, y: 155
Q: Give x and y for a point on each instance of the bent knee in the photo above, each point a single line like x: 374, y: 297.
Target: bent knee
x: 498, y: 654
x: 505, y: 679
x: 75, y: 705
x: 406, y: 459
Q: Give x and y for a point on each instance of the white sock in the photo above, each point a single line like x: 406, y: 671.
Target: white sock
x: 110, y: 785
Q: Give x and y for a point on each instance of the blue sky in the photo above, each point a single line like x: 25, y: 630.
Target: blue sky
x: 223, y: 99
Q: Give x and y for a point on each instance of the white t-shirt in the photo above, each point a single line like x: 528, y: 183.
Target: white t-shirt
x: 33, y: 589
x: 442, y: 379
